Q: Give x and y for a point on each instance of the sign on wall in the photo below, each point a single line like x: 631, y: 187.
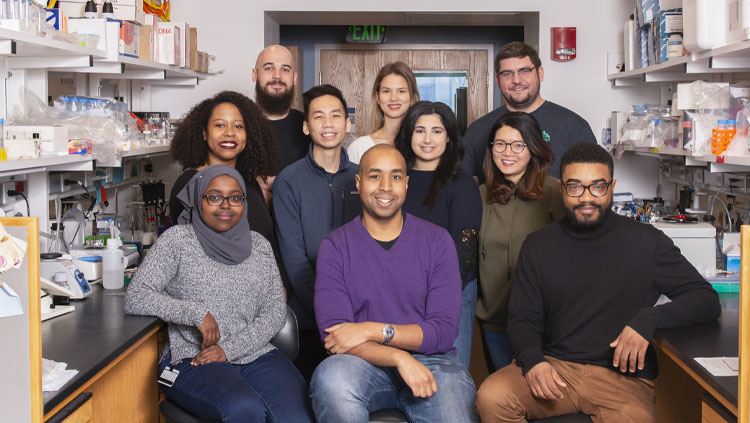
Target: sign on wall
x: 366, y: 34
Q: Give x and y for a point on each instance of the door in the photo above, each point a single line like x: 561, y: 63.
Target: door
x: 354, y: 71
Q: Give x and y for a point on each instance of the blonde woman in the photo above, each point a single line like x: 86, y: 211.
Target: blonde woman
x: 394, y: 91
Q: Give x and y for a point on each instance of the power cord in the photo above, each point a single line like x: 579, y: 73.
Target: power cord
x: 13, y: 193
x: 91, y: 198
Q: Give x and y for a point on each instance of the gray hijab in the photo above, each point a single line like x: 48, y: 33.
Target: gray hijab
x: 229, y: 247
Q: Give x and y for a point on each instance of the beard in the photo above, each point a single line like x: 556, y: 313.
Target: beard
x: 590, y: 225
x: 523, y: 103
x: 274, y: 104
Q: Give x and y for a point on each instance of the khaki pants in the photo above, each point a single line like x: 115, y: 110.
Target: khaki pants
x: 603, y: 394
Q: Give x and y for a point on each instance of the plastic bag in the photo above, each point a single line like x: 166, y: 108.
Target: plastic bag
x: 105, y: 125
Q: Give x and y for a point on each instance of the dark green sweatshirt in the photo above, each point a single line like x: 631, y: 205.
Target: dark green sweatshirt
x: 504, y: 227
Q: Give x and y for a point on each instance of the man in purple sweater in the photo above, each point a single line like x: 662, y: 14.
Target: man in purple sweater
x: 388, y: 302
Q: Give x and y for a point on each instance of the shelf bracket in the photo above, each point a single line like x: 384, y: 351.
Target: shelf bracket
x: 729, y: 64
x: 180, y: 82
x: 16, y: 62
x: 7, y: 47
x: 673, y: 77
x: 98, y: 67
x: 628, y: 82
x: 138, y: 74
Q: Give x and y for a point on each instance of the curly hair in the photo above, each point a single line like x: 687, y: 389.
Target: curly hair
x: 450, y: 160
x: 261, y: 154
x: 498, y: 188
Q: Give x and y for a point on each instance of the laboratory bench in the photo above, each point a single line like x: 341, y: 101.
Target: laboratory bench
x: 116, y: 357
x: 685, y: 391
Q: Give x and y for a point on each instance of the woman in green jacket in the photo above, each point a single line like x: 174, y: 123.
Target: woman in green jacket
x: 517, y: 199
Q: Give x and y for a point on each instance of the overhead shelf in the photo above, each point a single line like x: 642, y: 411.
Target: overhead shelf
x: 22, y: 44
x: 728, y: 59
x: 718, y: 163
x: 70, y: 162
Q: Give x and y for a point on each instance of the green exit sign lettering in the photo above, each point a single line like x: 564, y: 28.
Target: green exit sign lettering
x: 371, y: 34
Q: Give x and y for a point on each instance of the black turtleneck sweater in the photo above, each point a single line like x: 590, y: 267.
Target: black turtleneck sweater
x: 574, y: 292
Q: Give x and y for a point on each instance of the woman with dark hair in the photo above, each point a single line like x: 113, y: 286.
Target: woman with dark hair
x: 394, y: 90
x: 229, y: 129
x: 440, y: 193
x: 517, y: 199
x: 216, y: 284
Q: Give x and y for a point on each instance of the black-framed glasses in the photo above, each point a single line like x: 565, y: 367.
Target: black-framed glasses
x: 598, y: 189
x: 217, y: 200
x: 515, y: 146
x: 523, y: 72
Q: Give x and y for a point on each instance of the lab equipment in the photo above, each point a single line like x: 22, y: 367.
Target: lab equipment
x: 52, y: 305
x: 64, y: 272
x: 696, y: 241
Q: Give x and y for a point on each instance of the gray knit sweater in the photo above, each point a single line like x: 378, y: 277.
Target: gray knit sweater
x: 180, y: 284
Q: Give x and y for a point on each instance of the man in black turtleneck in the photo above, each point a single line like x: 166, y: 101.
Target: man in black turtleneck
x: 581, y: 310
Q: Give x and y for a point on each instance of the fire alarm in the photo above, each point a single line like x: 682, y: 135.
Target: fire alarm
x: 563, y: 43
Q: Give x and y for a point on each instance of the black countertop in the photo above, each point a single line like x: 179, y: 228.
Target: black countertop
x: 715, y: 339
x: 91, y: 337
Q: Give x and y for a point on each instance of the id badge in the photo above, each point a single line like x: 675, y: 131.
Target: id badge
x: 168, y: 376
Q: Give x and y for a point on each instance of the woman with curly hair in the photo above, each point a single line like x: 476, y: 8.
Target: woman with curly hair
x: 517, y: 199
x: 229, y: 129
x: 439, y: 192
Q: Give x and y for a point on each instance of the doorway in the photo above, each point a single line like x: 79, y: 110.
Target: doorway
x: 352, y: 69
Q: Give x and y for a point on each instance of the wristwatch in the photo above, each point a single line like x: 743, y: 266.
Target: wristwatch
x: 388, y: 333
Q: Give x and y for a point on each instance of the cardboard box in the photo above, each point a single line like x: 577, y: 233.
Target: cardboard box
x: 202, y: 62
x: 184, y: 43
x: 167, y: 47
x: 129, y: 39
x: 193, y: 47
x: 145, y: 45
x: 130, y: 13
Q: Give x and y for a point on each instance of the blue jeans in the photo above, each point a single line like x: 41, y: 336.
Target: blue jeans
x: 496, y: 350
x: 269, y: 389
x: 346, y: 389
x: 466, y: 325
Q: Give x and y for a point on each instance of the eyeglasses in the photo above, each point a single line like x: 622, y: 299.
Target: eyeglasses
x: 598, y: 189
x: 515, y: 146
x: 509, y: 74
x: 217, y: 200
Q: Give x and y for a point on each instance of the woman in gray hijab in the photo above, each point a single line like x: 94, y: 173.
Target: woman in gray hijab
x: 216, y: 284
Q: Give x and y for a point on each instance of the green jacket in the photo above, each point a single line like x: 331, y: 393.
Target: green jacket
x: 504, y: 228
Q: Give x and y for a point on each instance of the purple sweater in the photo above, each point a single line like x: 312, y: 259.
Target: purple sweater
x: 415, y: 282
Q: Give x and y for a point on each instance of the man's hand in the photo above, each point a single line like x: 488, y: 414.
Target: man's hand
x: 212, y: 354
x: 544, y: 382
x: 418, y: 377
x: 345, y: 336
x: 630, y: 349
x: 266, y: 186
x: 209, y: 331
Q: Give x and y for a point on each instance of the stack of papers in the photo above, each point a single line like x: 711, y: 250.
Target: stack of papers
x: 720, y: 366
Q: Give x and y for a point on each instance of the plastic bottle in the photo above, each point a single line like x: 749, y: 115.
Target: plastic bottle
x: 729, y: 132
x: 113, y: 265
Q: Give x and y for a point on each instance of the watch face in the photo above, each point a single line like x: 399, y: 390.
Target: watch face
x: 388, y: 331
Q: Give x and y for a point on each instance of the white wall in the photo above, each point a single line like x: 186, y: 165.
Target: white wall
x: 237, y: 31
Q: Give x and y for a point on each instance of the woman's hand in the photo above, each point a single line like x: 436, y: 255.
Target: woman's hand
x: 212, y: 354
x: 209, y: 331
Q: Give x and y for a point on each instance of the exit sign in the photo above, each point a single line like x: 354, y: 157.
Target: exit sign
x: 372, y: 34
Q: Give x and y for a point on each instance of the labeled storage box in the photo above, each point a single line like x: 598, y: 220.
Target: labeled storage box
x: 167, y: 46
